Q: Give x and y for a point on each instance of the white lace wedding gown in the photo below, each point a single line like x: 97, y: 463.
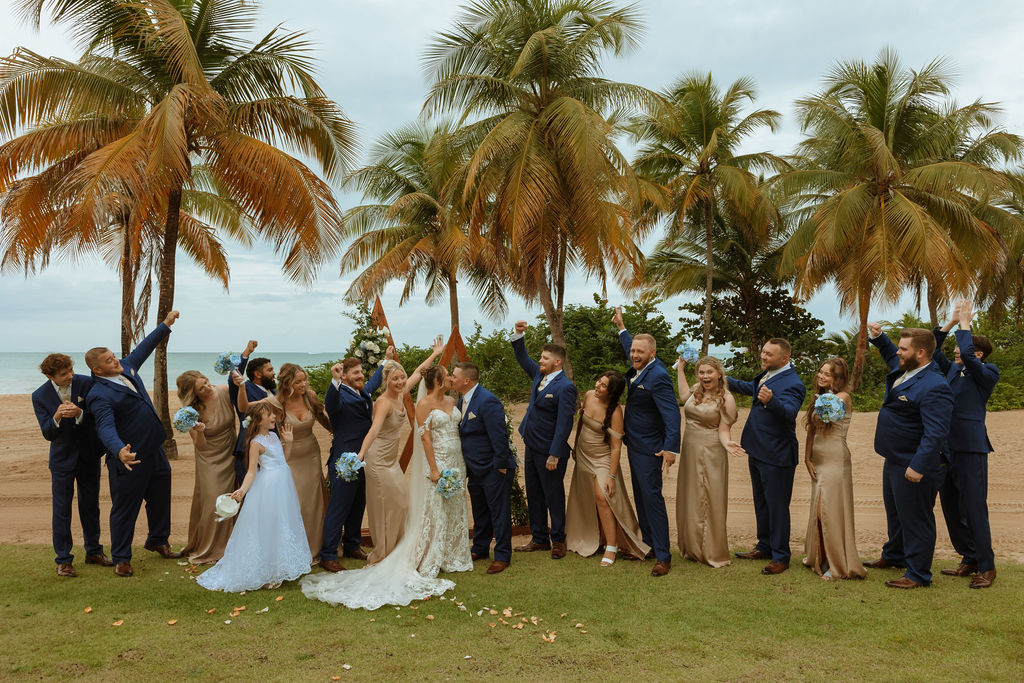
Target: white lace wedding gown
x: 436, y: 536
x: 268, y: 543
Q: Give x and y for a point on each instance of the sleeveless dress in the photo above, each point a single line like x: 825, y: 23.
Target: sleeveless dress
x: 702, y: 490
x: 268, y: 543
x: 387, y: 493
x: 834, y: 547
x: 436, y: 537
x: 582, y: 527
x: 215, y: 475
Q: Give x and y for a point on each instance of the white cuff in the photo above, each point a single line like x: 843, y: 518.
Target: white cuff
x: 336, y: 382
x: 623, y: 330
x: 515, y: 336
x: 56, y: 422
x: 873, y: 336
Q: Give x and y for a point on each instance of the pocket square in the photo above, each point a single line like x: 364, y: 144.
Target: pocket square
x: 903, y: 398
x: 639, y: 386
x: 471, y: 416
x: 549, y: 395
x: 80, y: 399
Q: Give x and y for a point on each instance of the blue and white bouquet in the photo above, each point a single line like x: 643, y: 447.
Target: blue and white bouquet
x: 185, y: 419
x: 226, y: 362
x: 688, y: 352
x: 372, y: 347
x: 449, y: 484
x: 829, y: 408
x: 348, y: 465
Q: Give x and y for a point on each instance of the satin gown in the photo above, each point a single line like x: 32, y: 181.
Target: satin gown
x: 215, y: 475
x: 833, y: 546
x: 387, y: 493
x: 582, y: 526
x: 702, y: 489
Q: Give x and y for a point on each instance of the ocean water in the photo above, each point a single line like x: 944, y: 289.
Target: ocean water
x: 19, y: 371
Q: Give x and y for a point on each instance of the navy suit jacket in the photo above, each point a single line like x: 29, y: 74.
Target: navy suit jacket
x: 914, y: 420
x: 770, y: 432
x: 652, y: 420
x: 351, y: 414
x: 71, y: 441
x: 124, y: 416
x: 253, y: 393
x: 484, y: 434
x: 972, y: 384
x: 548, y: 420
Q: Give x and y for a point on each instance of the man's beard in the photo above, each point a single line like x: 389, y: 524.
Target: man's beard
x: 909, y: 364
x: 268, y: 383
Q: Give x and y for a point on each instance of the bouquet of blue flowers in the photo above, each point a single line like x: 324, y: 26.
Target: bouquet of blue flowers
x: 688, y: 352
x: 226, y: 362
x: 185, y: 419
x: 829, y: 408
x: 449, y: 484
x: 348, y: 465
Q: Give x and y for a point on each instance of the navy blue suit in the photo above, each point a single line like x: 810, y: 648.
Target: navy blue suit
x: 964, y: 493
x: 769, y: 438
x: 652, y: 424
x: 253, y: 393
x: 912, y: 427
x: 124, y: 417
x: 75, y: 454
x: 485, y: 449
x: 545, y: 430
x: 351, y: 416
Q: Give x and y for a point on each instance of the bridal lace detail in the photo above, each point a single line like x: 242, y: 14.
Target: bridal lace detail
x: 436, y: 536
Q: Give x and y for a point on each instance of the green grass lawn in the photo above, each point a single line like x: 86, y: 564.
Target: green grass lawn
x: 695, y: 623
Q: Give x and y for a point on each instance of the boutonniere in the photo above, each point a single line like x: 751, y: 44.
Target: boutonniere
x: 471, y: 416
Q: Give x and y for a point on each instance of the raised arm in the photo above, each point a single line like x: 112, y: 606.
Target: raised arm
x: 624, y: 336
x: 373, y: 384
x: 940, y: 334
x: 528, y: 365
x: 684, y: 385
x: 146, y: 347
x: 881, y: 341
x: 739, y: 386
x: 985, y: 375
x: 417, y: 374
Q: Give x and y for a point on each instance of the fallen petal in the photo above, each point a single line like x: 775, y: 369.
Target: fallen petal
x: 335, y: 678
x: 265, y: 609
x: 579, y: 625
x: 88, y: 610
x: 492, y: 624
x: 172, y: 622
x: 118, y: 622
x: 279, y: 598
x: 565, y: 614
x: 430, y: 617
x: 346, y: 667
x: 227, y: 621
x: 372, y: 620
x: 468, y: 657
x: 211, y: 610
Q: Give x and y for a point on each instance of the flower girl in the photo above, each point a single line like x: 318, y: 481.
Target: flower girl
x: 268, y: 544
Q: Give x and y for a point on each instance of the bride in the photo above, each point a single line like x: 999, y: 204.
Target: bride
x: 436, y: 536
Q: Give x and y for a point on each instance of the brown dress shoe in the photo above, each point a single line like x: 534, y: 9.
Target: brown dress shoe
x: 880, y: 563
x: 478, y: 556
x: 164, y: 551
x: 903, y: 582
x: 961, y: 570
x: 497, y: 567
x: 660, y: 568
x: 66, y: 570
x: 983, y: 580
x: 557, y: 550
x: 356, y: 554
x: 123, y: 569
x: 753, y: 555
x: 331, y: 565
x: 775, y: 568
x: 531, y: 547
x: 101, y: 560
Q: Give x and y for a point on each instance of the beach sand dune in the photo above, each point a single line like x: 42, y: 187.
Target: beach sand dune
x: 25, y: 487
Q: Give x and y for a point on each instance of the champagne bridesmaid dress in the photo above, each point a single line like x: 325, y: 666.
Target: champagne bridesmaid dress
x: 387, y: 493
x: 831, y: 544
x: 702, y: 489
x: 215, y: 475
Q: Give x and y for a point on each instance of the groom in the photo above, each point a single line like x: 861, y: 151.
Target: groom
x: 489, y: 465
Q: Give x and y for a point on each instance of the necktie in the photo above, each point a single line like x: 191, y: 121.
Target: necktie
x: 65, y: 393
x: 899, y: 380
x: 128, y: 383
x: 543, y: 383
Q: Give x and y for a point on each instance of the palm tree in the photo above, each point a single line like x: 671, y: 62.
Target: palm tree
x: 690, y: 145
x: 546, y: 185
x: 879, y: 205
x: 172, y: 84
x: 417, y: 229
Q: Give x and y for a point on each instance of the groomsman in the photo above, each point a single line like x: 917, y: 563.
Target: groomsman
x: 75, y: 454
x: 769, y: 438
x: 913, y: 424
x: 964, y: 493
x: 652, y: 425
x: 260, y: 384
x: 349, y: 404
x: 545, y: 430
x: 130, y: 429
x: 490, y: 467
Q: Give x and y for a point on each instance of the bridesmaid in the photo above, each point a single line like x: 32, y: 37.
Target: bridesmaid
x: 214, y: 440
x: 297, y: 405
x: 702, y: 490
x: 387, y: 493
x: 598, y: 494
x: 831, y: 544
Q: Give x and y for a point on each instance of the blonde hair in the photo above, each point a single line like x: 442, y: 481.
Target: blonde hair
x: 389, y: 368
x: 187, y: 388
x: 720, y: 390
x: 285, y: 379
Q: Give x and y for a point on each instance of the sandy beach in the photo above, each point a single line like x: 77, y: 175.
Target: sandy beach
x: 25, y: 487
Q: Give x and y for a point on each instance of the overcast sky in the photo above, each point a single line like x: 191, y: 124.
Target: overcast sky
x: 370, y: 62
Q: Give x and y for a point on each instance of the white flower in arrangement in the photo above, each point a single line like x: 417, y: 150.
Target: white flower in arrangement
x: 359, y: 353
x: 371, y: 359
x: 372, y: 346
x: 385, y: 332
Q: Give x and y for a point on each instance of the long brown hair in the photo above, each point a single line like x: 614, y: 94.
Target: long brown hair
x: 698, y: 393
x: 616, y: 385
x: 285, y: 379
x: 187, y: 389
x: 255, y: 415
x: 840, y: 382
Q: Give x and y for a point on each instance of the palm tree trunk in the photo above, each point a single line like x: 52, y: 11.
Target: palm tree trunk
x: 453, y: 299
x: 164, y: 306
x: 748, y: 298
x: 860, y: 357
x: 933, y: 305
x: 128, y: 276
x: 710, y: 272
x: 554, y: 316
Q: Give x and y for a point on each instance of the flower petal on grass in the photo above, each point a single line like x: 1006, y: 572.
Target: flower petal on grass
x: 211, y: 610
x: 492, y: 624
x: 279, y: 598
x: 118, y: 622
x: 88, y: 610
x: 430, y: 617
x: 172, y: 622
x: 346, y: 667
